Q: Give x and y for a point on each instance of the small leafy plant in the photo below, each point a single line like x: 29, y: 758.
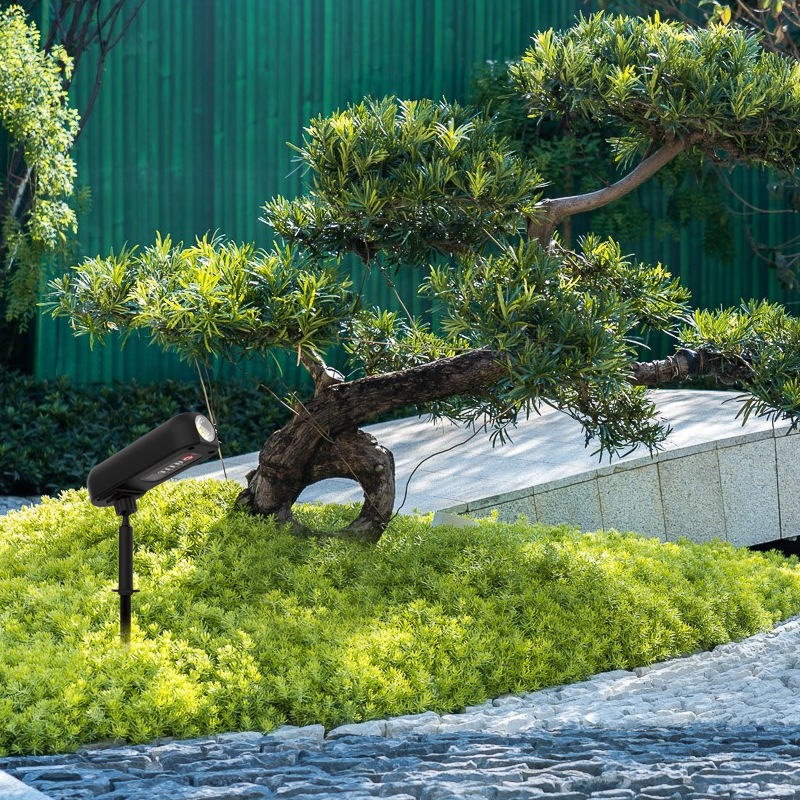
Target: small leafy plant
x: 240, y: 625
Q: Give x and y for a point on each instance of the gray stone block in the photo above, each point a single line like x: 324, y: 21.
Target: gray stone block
x: 239, y: 737
x: 746, y: 436
x: 413, y: 723
x: 175, y: 754
x: 692, y: 497
x: 631, y: 501
x: 750, y: 492
x: 146, y: 790
x: 682, y: 452
x: 787, y: 449
x: 503, y: 497
x: 288, y: 733
x: 575, y: 504
x: 12, y: 789
x: 508, y: 511
x: 372, y: 728
x: 225, y: 777
x: 633, y: 461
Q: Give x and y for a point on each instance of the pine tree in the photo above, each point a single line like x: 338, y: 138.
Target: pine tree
x: 522, y: 320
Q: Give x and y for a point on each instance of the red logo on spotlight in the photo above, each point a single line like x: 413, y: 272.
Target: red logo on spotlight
x: 187, y: 458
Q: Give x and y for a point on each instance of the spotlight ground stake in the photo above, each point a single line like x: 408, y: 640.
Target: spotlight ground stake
x: 125, y: 506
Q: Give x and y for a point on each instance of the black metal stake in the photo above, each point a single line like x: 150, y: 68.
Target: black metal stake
x: 125, y: 507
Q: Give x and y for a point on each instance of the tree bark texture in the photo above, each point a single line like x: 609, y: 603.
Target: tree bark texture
x: 554, y: 211
x: 323, y: 440
x: 687, y: 364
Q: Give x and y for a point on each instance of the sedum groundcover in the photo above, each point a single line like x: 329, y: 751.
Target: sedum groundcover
x: 241, y: 626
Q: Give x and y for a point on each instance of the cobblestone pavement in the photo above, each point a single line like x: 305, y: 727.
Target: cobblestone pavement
x: 693, y: 762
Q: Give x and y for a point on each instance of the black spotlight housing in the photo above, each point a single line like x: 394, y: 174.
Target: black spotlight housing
x: 167, y: 450
x: 179, y: 443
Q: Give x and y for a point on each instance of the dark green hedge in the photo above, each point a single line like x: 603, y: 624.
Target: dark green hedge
x: 52, y: 433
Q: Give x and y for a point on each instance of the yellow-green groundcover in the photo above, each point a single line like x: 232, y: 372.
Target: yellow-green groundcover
x: 241, y: 626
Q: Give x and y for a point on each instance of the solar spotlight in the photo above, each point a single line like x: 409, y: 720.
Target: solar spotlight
x: 166, y: 451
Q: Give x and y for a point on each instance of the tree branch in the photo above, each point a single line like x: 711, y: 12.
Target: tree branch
x: 353, y: 403
x: 686, y: 364
x: 560, y: 208
x: 322, y: 374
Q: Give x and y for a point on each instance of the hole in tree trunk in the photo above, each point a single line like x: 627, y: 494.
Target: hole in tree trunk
x: 354, y: 455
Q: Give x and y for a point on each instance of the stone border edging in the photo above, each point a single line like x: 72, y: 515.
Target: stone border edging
x: 744, y: 489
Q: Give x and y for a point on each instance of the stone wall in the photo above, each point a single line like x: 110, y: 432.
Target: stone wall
x: 743, y: 489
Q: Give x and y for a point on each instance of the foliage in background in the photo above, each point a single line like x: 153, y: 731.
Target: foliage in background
x: 54, y: 433
x: 240, y: 625
x: 38, y: 221
x: 38, y: 119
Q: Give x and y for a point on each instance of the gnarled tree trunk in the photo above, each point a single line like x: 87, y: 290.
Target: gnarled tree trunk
x: 324, y: 441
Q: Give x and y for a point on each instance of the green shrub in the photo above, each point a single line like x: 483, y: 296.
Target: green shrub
x: 240, y: 625
x: 54, y: 433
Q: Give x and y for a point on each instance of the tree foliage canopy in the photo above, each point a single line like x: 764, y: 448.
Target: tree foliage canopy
x: 713, y: 88
x: 407, y: 179
x: 214, y: 297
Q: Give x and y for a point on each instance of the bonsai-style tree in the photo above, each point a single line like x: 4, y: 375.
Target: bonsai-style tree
x: 519, y: 319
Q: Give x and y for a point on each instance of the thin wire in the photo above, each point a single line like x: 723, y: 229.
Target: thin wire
x: 337, y: 359
x: 211, y: 414
x: 394, y: 289
x: 359, y: 298
x: 446, y: 450
x: 756, y: 209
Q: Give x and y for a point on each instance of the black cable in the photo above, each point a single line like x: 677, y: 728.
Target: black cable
x: 447, y: 450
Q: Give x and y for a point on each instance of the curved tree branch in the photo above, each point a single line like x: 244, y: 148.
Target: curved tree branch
x: 562, y: 207
x: 556, y: 210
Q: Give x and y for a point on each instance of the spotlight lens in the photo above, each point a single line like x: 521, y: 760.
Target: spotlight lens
x: 205, y: 428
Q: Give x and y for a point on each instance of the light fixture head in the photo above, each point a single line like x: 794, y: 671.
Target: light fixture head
x: 179, y: 443
x: 205, y: 428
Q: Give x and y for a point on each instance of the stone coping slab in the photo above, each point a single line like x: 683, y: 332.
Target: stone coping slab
x: 623, y: 466
x: 12, y: 789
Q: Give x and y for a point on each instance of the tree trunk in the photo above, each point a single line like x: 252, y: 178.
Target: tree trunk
x: 324, y: 441
x: 355, y: 455
x: 687, y: 364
